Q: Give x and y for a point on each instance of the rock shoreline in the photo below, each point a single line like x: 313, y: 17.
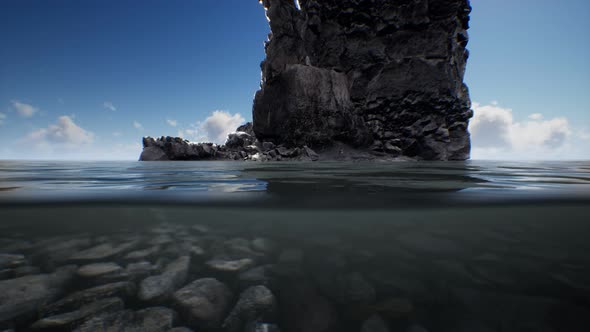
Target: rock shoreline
x: 244, y: 146
x: 240, y: 145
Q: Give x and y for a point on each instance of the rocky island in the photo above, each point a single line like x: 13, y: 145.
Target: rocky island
x: 352, y: 79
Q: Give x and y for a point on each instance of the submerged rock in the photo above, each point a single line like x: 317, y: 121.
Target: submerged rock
x: 374, y: 324
x: 140, y: 270
x: 155, y: 319
x: 203, y: 303
x: 22, y: 297
x: 101, y: 252
x: 260, y: 275
x: 123, y: 290
x: 255, y: 303
x: 350, y: 288
x: 160, y: 287
x: 394, y: 308
x: 229, y: 265
x: 26, y: 270
x: 68, y: 321
x: 261, y: 327
x: 55, y: 252
x: 304, y: 310
x: 142, y: 254
x: 98, y: 269
x: 264, y: 245
x: 180, y: 329
x: 418, y: 328
x: 520, y: 312
x: 11, y: 261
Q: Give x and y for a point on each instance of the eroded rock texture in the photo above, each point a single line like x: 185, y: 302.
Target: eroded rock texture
x: 380, y: 74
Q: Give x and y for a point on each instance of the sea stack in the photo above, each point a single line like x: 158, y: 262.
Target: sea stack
x: 381, y: 75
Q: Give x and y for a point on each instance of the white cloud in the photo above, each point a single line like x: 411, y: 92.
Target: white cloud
x: 137, y: 125
x: 2, y: 118
x: 497, y: 135
x: 23, y: 109
x: 219, y: 124
x: 172, y: 123
x: 117, y: 134
x: 109, y: 106
x: 65, y: 133
x: 490, y: 126
x: 66, y: 140
x: 536, y: 116
x: 213, y: 129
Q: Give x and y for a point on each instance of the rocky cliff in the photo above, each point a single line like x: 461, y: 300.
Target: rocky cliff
x: 384, y: 75
x: 353, y: 79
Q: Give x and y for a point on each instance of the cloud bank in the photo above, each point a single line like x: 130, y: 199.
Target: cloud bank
x: 497, y: 135
x: 66, y: 140
x: 65, y: 133
x: 23, y: 109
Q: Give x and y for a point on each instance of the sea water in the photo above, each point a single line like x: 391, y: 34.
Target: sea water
x: 357, y: 246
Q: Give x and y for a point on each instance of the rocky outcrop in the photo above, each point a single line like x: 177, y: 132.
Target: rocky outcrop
x: 359, y: 78
x: 240, y: 145
x: 381, y: 74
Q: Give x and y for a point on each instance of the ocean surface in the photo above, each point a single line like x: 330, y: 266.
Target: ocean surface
x: 357, y: 246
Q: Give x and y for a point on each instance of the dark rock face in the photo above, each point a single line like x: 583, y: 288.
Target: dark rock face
x: 381, y: 74
x: 306, y: 105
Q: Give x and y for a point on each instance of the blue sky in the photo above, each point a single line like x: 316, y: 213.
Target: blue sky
x: 88, y: 79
